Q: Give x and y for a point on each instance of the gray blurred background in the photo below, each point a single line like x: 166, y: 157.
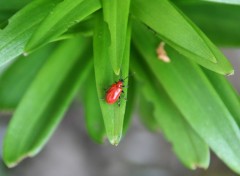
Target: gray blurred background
x: 70, y: 151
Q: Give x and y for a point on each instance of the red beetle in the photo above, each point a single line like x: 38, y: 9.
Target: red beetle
x: 114, y: 92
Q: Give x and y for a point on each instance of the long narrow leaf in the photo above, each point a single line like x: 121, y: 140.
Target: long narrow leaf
x: 196, y: 99
x: 187, y: 144
x: 63, y: 16
x: 12, y: 88
x: 113, y: 114
x: 45, y: 102
x: 116, y: 16
x: 180, y: 33
x: 20, y: 28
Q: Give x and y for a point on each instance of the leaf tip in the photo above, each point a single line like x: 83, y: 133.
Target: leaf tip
x: 199, y: 165
x: 11, y: 164
x: 116, y: 70
x: 213, y: 60
x: 115, y: 140
x: 230, y: 73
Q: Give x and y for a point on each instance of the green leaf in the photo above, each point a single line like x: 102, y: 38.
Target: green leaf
x: 63, y: 16
x: 196, y: 99
x: 219, y: 21
x: 93, y: 115
x: 46, y: 101
x: 113, y: 115
x: 187, y: 144
x: 180, y: 33
x: 12, y: 88
x: 20, y: 28
x: 228, y: 94
x: 115, y: 14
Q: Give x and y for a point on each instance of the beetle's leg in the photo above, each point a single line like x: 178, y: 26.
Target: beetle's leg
x: 119, y: 101
x: 123, y: 97
x: 106, y: 89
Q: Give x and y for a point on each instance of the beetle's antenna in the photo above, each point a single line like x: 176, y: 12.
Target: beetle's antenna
x: 129, y: 76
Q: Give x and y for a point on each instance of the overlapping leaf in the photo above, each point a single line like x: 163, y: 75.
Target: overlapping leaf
x: 45, y: 101
x: 180, y: 33
x: 20, y: 28
x: 116, y: 16
x: 195, y: 97
x: 188, y: 146
x: 63, y: 16
x: 113, y: 114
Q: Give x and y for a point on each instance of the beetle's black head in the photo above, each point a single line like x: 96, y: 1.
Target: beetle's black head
x: 121, y: 80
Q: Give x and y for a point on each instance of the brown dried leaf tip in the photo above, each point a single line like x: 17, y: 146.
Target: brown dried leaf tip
x: 162, y: 54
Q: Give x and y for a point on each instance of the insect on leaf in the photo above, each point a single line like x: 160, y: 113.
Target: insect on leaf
x: 113, y: 115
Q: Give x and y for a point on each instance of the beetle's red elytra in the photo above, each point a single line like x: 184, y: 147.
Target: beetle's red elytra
x: 113, y: 94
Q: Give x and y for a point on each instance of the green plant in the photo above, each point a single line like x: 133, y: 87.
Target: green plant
x: 60, y: 44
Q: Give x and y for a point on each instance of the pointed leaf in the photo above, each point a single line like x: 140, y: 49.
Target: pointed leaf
x: 187, y: 144
x: 45, y: 102
x: 116, y: 16
x: 20, y: 28
x: 12, y: 88
x: 196, y: 99
x: 180, y: 33
x: 63, y: 16
x: 113, y: 115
